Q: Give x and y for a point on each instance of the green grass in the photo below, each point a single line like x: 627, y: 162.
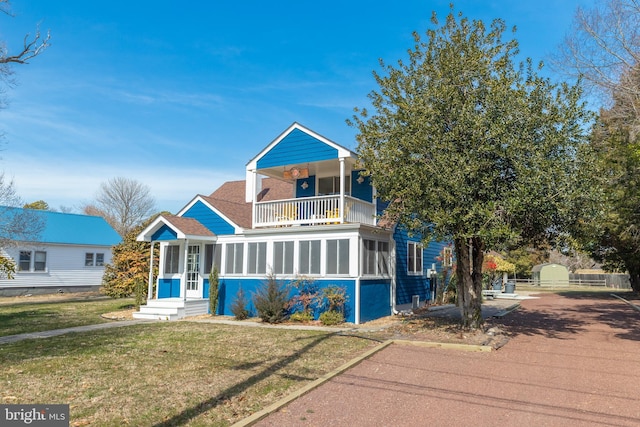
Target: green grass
x: 169, y: 373
x: 19, y: 318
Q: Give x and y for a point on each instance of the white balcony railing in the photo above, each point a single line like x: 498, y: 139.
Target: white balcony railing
x: 312, y: 211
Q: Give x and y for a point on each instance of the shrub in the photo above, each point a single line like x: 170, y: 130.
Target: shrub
x: 301, y: 316
x: 336, y: 297
x: 307, y: 297
x: 239, y: 305
x: 271, y: 300
x: 331, y: 317
x: 214, y: 291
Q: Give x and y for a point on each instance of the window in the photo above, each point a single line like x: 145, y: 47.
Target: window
x: 88, y: 259
x: 257, y: 258
x: 99, y: 260
x: 234, y: 253
x: 39, y: 259
x: 25, y: 261
x: 91, y: 259
x: 383, y: 258
x: 283, y: 258
x: 309, y: 257
x: 414, y: 258
x: 375, y: 258
x: 212, y: 257
x: 171, y: 259
x: 331, y: 185
x: 338, y: 256
x: 447, y: 256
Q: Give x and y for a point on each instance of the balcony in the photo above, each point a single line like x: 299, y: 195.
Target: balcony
x: 312, y: 211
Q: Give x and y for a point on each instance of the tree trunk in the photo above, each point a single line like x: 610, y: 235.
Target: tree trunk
x: 634, y: 279
x: 469, y: 258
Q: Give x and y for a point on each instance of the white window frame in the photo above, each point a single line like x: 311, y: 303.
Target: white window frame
x: 415, y: 255
x: 171, y: 259
x: 234, y: 258
x: 33, y: 262
x: 257, y: 258
x: 283, y: 258
x: 314, y: 268
x: 341, y: 260
x: 375, y: 261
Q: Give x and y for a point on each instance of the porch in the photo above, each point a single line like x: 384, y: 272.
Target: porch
x: 172, y: 308
x: 313, y: 211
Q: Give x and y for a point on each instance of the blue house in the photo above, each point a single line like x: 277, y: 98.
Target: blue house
x: 68, y: 253
x: 304, y: 210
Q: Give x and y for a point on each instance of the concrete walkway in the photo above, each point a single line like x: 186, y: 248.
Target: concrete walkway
x: 86, y: 328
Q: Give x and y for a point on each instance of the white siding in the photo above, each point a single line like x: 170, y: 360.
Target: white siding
x: 65, y: 266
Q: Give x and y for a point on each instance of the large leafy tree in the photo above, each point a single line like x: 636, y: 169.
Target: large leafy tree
x: 469, y: 145
x: 614, y: 238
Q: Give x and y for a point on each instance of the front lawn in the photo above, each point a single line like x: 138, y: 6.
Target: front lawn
x: 169, y: 373
x: 19, y: 316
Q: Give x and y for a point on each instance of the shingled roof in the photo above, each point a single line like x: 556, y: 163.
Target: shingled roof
x: 229, y: 198
x: 188, y: 226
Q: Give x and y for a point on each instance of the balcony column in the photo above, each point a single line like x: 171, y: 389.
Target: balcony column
x: 341, y: 202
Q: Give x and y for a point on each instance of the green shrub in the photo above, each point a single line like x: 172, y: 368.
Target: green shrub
x: 301, y: 316
x: 271, y: 300
x: 214, y: 291
x: 336, y: 297
x: 331, y: 317
x: 239, y: 305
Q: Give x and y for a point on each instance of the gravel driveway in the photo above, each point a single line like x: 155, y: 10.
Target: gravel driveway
x: 573, y: 360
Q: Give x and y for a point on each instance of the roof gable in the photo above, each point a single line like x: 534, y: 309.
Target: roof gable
x: 170, y: 227
x: 298, y: 145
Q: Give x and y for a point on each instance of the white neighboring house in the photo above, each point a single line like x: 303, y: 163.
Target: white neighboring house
x: 68, y: 255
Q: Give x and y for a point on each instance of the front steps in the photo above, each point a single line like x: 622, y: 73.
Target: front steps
x: 172, y: 309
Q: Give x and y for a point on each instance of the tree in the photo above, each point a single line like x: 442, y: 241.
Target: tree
x: 32, y: 47
x: 614, y: 238
x: 603, y: 48
x: 129, y: 267
x: 38, y: 205
x: 15, y: 224
x: 124, y: 203
x: 468, y: 146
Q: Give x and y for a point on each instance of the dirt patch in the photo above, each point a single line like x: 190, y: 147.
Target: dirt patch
x: 120, y: 315
x: 54, y: 297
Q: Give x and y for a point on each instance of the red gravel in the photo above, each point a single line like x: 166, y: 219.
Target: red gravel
x: 572, y: 360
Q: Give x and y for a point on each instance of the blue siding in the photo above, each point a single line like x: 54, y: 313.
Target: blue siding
x: 168, y: 288
x: 311, y: 189
x: 375, y: 299
x: 164, y: 233
x: 297, y: 147
x: 406, y: 285
x: 214, y: 222
x: 362, y: 191
x: 229, y: 289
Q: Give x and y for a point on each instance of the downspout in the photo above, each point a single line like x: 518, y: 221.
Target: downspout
x: 392, y: 271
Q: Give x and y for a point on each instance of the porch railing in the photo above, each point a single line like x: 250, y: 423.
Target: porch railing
x: 312, y: 211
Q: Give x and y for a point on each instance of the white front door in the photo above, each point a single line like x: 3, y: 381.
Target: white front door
x: 193, y: 272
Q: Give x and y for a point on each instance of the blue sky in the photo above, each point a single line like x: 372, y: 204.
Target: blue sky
x: 180, y: 96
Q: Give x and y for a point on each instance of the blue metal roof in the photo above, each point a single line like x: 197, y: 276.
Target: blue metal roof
x: 66, y: 228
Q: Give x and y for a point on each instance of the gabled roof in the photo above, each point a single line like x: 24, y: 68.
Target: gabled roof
x: 64, y: 228
x: 229, y: 198
x: 298, y: 144
x: 177, y: 227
